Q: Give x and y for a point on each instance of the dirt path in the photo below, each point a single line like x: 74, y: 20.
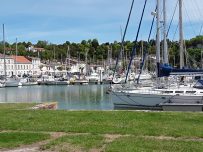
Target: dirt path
x: 108, y: 139
x: 36, y: 146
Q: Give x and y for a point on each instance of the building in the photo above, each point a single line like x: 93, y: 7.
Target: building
x: 19, y: 65
x: 9, y: 65
x: 36, y: 63
x: 34, y: 49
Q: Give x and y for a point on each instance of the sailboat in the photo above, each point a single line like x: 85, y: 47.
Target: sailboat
x: 2, y: 84
x: 9, y: 81
x: 54, y: 79
x: 27, y: 82
x: 159, y: 97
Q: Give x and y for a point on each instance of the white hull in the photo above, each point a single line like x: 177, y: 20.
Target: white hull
x: 93, y: 78
x: 118, y: 80
x: 12, y: 82
x: 28, y: 83
x: 2, y: 85
x: 79, y: 82
x: 57, y: 82
x: 126, y: 99
x: 92, y: 81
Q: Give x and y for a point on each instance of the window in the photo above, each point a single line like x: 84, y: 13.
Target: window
x: 179, y: 91
x: 168, y: 92
x: 190, y: 92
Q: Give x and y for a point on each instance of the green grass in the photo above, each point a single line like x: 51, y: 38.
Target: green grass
x: 83, y: 142
x: 15, y: 139
x: 114, y: 122
x: 12, y: 106
x: 127, y: 144
x: 98, y: 123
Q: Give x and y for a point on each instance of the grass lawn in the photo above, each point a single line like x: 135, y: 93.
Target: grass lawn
x: 128, y: 144
x: 99, y: 123
x: 16, y: 106
x: 90, y: 142
x: 15, y: 139
x: 80, y: 142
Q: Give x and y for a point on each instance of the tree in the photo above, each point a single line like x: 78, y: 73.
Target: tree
x: 41, y: 44
x: 95, y: 43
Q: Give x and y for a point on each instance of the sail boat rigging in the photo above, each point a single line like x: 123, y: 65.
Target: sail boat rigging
x: 157, y: 98
x: 9, y: 82
x: 5, y: 73
x: 123, y: 38
x: 134, y: 47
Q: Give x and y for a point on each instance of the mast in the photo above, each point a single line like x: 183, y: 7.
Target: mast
x: 54, y: 53
x: 181, y: 34
x: 54, y: 62
x: 109, y: 57
x: 16, y: 57
x: 122, y: 47
x: 165, y: 33
x: 66, y: 60
x: 4, y: 52
x: 68, y: 56
x: 61, y: 59
x: 158, y: 33
x: 142, y: 50
x: 86, y: 52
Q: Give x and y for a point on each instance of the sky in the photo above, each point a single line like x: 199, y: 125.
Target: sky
x: 58, y: 21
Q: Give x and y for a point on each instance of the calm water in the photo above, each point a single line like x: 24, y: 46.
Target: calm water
x: 77, y: 97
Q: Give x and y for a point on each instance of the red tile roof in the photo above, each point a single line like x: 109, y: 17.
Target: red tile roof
x: 21, y: 59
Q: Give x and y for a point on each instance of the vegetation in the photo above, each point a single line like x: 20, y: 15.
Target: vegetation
x: 113, y: 122
x: 84, y: 142
x: 15, y: 139
x: 103, y: 130
x: 12, y: 106
x: 98, y: 52
x: 133, y: 143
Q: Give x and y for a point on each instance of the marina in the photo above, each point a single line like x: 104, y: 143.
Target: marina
x: 69, y: 97
x: 98, y: 76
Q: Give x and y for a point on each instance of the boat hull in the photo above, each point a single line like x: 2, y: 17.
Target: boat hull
x: 2, y: 85
x: 11, y: 83
x: 150, y: 101
x: 57, y: 82
x: 29, y: 83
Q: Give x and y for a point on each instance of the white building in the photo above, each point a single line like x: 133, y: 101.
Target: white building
x: 34, y: 49
x: 19, y: 65
x: 36, y: 63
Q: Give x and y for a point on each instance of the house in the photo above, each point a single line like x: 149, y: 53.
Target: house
x: 35, y: 49
x: 19, y: 65
x: 36, y: 63
x: 9, y: 65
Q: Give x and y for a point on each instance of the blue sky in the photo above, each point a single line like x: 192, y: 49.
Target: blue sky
x: 58, y: 21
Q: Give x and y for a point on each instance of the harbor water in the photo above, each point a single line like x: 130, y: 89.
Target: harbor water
x: 70, y: 97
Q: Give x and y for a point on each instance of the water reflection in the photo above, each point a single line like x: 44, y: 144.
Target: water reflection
x: 87, y: 97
